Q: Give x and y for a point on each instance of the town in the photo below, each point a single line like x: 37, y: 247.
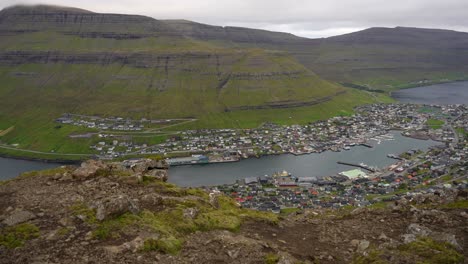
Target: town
x: 416, y: 173
x: 440, y: 123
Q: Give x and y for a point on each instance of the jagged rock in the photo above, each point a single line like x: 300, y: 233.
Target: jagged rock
x: 415, y: 231
x: 151, y: 200
x: 158, y: 174
x: 408, y: 238
x: 57, y: 177
x: 418, y: 230
x: 115, y: 206
x: 383, y: 237
x: 66, y: 177
x: 90, y: 168
x: 131, y: 246
x: 358, y: 211
x: 445, y: 237
x: 190, y: 213
x: 66, y: 221
x: 18, y: 217
x: 354, y: 243
x: 233, y: 253
x: 431, y: 216
x: 464, y: 214
x: 363, y: 245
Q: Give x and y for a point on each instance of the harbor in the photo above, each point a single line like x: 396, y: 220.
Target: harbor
x: 317, y: 165
x: 360, y: 165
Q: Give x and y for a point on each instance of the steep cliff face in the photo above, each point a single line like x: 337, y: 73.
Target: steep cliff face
x: 73, y: 20
x: 169, y: 71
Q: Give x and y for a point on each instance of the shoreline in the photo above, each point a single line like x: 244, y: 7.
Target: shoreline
x: 51, y: 161
x: 77, y: 162
x: 410, y: 86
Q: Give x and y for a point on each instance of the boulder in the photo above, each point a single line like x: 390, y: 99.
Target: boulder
x: 190, y: 213
x: 431, y: 216
x: 359, y: 210
x: 158, y: 174
x: 418, y: 230
x: 18, y: 217
x: 414, y: 231
x: 145, y: 165
x: 363, y: 245
x: 131, y: 246
x: 445, y: 237
x: 114, y: 206
x: 90, y: 168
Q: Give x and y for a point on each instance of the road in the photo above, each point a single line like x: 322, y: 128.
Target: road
x: 41, y: 152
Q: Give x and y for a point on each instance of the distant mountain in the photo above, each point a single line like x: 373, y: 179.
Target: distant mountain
x: 59, y: 59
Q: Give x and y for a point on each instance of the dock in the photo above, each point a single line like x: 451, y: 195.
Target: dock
x: 393, y: 156
x: 356, y: 165
x: 366, y: 145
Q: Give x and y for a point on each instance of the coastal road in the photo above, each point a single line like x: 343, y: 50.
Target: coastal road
x: 41, y: 152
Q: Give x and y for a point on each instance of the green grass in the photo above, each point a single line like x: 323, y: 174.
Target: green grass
x: 374, y: 257
x: 430, y: 251
x: 288, y: 211
x: 170, y: 223
x: 168, y: 245
x: 88, y: 214
x: 459, y: 204
x: 16, y: 236
x: 435, y: 123
x: 271, y: 258
x: 462, y: 132
x: 35, y: 129
x: 47, y: 172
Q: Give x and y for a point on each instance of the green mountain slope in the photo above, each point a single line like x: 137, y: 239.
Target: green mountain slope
x: 56, y: 60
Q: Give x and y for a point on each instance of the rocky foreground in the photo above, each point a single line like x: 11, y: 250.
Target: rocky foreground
x: 127, y: 213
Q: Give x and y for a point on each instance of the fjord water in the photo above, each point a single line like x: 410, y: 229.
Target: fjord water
x: 446, y: 93
x: 10, y: 168
x: 316, y: 164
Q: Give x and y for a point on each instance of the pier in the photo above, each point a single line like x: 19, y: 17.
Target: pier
x: 393, y: 156
x: 356, y: 165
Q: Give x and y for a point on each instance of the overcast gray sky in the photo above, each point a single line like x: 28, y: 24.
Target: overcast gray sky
x: 308, y: 18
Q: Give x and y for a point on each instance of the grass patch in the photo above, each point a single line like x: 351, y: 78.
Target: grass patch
x: 446, y: 178
x: 288, y: 211
x: 168, y: 245
x: 460, y: 204
x: 48, y: 172
x: 432, y: 251
x: 16, y: 236
x: 435, y: 123
x: 111, y: 229
x: 63, y: 231
x: 84, y: 212
x: 172, y: 225
x: 271, y: 258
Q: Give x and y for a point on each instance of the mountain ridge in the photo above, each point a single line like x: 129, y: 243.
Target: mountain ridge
x: 64, y: 60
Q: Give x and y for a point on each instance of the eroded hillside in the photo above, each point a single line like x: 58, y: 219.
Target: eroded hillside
x: 126, y: 213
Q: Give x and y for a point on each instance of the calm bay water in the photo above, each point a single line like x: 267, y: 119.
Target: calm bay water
x: 316, y: 164
x: 447, y: 93
x: 10, y: 168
